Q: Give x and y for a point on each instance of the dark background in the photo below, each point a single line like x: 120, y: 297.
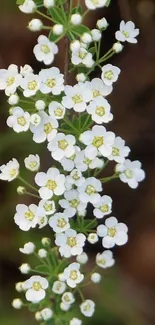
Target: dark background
x: 127, y: 294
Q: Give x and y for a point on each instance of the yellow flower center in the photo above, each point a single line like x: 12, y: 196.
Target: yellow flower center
x: 62, y: 144
x: 45, y: 49
x: 58, y: 286
x: 112, y: 232
x: 100, y: 111
x: 90, y: 190
x: 61, y: 223
x: 126, y: 34
x: 48, y: 128
x: 73, y: 274
x: 82, y: 55
x: 87, y: 161
x: 128, y: 173
x: 51, y: 185
x: 48, y: 207
x: 12, y: 172
x: 58, y: 112
x: 102, y: 261
x: 33, y: 164
x: 29, y: 215
x: 77, y: 99
x: 66, y: 298
x: 10, y: 81
x: 32, y: 85
x: 21, y: 120
x: 87, y: 307
x: 36, y: 286
x: 104, y: 208
x: 50, y: 83
x: 108, y: 75
x: 42, y: 220
x: 71, y: 241
x: 115, y: 151
x: 96, y: 93
x: 74, y: 203
x: 76, y: 176
x: 72, y: 157
x: 98, y: 141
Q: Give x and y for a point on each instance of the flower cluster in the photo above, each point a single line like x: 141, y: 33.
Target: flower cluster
x: 69, y: 119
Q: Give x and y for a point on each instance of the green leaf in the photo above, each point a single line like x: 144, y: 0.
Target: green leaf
x: 77, y: 9
x: 33, y: 307
x: 86, y: 121
x: 92, y: 50
x: 38, y: 2
x: 79, y: 30
x: 41, y: 268
x: 52, y: 37
x: 90, y: 224
x: 20, y: 2
x: 58, y: 15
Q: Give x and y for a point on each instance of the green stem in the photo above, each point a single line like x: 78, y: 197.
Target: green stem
x: 81, y: 294
x: 108, y: 179
x: 71, y: 125
x: 27, y: 184
x: 31, y: 194
x: 85, y: 13
x: 39, y: 272
x: 43, y: 15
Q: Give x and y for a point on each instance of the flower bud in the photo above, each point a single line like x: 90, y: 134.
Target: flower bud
x: 76, y: 19
x: 24, y: 268
x: 13, y: 99
x: 17, y: 303
x: 42, y: 253
x: 21, y: 190
x: 86, y: 38
x: 46, y: 242
x: 102, y: 24
x: 96, y: 35
x: 58, y: 29
x: 19, y: 286
x: 40, y: 105
x: 24, y: 71
x: 48, y: 3
x: 82, y: 259
x: 117, y: 47
x: 75, y: 46
x: 28, y: 7
x: 81, y: 77
x: 96, y: 277
x: 35, y: 119
x: 35, y: 25
x: 38, y: 316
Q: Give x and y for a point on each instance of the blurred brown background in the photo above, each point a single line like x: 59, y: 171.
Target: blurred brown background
x: 127, y: 295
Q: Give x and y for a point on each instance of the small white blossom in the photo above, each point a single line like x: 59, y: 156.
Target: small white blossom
x: 46, y: 314
x: 59, y: 287
x: 28, y: 248
x: 19, y: 120
x: 102, y: 23
x: 98, y: 140
x: 117, y: 47
x: 47, y: 206
x: 110, y: 74
x: 50, y: 183
x: 82, y: 57
x: 75, y: 46
x: 99, y: 88
x: 48, y: 3
x: 68, y: 298
x: 19, y: 286
x: 9, y: 171
x: 31, y: 84
x: 10, y: 79
x: 64, y: 307
x: 99, y: 109
x: 72, y: 203
x: 32, y: 162
x: 45, y: 50
x: 86, y: 38
x: 21, y: 190
x: 82, y: 258
x: 46, y: 241
x: 58, y: 29
x: 127, y: 32
x: 38, y: 316
x: 92, y: 238
x: 96, y: 277
x: 130, y: 172
x: 96, y: 35
x: 24, y: 268
x: 87, y: 308
x: 82, y: 162
x: 113, y: 233
x: 92, y: 5
x: 40, y: 105
x: 61, y: 277
x: 35, y: 25
x: 35, y: 119
x: 80, y: 77
x: 59, y: 222
x: 105, y: 259
x: 103, y: 207
x: 42, y: 218
x: 77, y: 97
x: 68, y: 164
x: 75, y: 321
x: 70, y: 243
x: 28, y: 7
x: 88, y: 191
x: 46, y: 130
x: 25, y: 70
x: 75, y: 178
x: 56, y: 110
x: 52, y: 81
x: 13, y: 99
x: 119, y: 150
x: 62, y: 146
x: 72, y: 275
x: 35, y: 287
x: 26, y: 216
x: 76, y: 19
x: 17, y: 303
x: 42, y: 253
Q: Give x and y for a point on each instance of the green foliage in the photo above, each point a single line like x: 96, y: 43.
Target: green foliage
x: 20, y: 2
x: 77, y: 9
x: 78, y: 30
x: 58, y: 15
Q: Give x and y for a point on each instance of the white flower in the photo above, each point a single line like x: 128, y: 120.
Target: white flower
x: 26, y: 217
x: 24, y: 268
x: 96, y: 35
x: 86, y: 38
x: 56, y: 110
x: 13, y: 99
x: 102, y: 23
x: 9, y: 171
x: 130, y: 172
x: 58, y: 29
x: 68, y: 298
x: 35, y: 287
x: 70, y: 243
x: 17, y: 303
x: 38, y: 316
x: 77, y: 97
x: 47, y: 129
x: 49, y: 3
x: 25, y: 70
x: 117, y: 47
x: 52, y: 81
x: 50, y: 183
x: 10, y: 79
x: 32, y: 162
x: 72, y: 203
x: 68, y: 164
x: 75, y: 178
x: 59, y: 287
x: 35, y: 25
x: 59, y: 222
x: 61, y: 277
x: 75, y: 321
x: 92, y: 238
x: 82, y: 56
x: 46, y: 313
x: 99, y: 88
x: 96, y: 277
x: 45, y: 50
x: 75, y: 45
x: 35, y: 119
x: 98, y: 140
x: 113, y: 233
x: 82, y: 162
x: 88, y: 191
x: 42, y: 253
x: 72, y: 275
x: 76, y: 19
x: 19, y: 120
x: 47, y: 206
x: 64, y: 307
x: 119, y: 150
x: 19, y: 286
x: 105, y: 259
x: 92, y: 5
x: 28, y: 7
x: 31, y: 84
x: 103, y: 207
x: 82, y: 258
x: 81, y: 77
x: 62, y: 146
x: 99, y: 109
x: 40, y: 105
x: 28, y: 248
x: 127, y: 32
x: 42, y: 218
x: 87, y: 308
x: 110, y: 74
